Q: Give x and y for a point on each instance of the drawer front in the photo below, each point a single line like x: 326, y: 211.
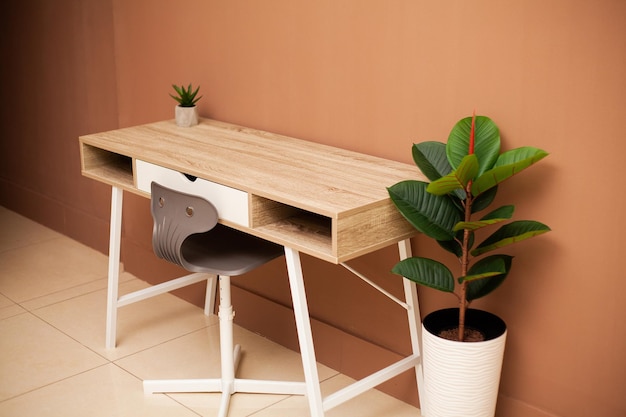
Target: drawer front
x: 231, y: 204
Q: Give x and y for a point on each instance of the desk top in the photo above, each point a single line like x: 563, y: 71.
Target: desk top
x: 342, y: 192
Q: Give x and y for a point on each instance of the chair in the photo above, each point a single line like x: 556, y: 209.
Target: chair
x: 186, y: 232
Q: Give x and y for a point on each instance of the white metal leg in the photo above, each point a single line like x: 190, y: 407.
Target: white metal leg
x: 369, y: 382
x: 305, y: 337
x: 115, y: 234
x: 415, y: 321
x: 317, y: 404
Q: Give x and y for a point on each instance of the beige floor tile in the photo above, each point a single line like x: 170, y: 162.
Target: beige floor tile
x: 10, y: 311
x: 17, y: 231
x: 140, y: 325
x: 5, y: 302
x: 35, y: 354
x: 47, y: 267
x: 72, y: 292
x: 197, y: 356
x: 241, y: 404
x: 106, y: 391
x: 372, y: 403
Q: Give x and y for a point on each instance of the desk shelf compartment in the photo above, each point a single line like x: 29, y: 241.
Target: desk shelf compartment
x: 110, y: 167
x: 292, y: 226
x: 334, y: 239
x: 231, y: 204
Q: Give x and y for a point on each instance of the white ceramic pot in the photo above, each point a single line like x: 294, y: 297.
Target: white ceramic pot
x: 186, y: 116
x: 461, y: 378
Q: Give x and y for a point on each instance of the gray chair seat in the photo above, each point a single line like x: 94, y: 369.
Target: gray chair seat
x: 226, y: 251
x: 186, y: 232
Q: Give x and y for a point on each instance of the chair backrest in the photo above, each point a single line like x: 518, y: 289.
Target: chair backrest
x: 176, y: 216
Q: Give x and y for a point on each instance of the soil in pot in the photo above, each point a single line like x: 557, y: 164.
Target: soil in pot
x: 479, y: 325
x: 471, y: 335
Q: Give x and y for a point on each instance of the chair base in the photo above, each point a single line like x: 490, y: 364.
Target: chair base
x: 250, y: 386
x: 229, y: 356
x: 253, y: 386
x: 227, y: 388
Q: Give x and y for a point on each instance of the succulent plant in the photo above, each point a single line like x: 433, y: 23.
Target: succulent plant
x: 186, y: 97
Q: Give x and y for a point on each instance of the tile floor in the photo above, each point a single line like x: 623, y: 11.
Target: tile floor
x: 52, y: 356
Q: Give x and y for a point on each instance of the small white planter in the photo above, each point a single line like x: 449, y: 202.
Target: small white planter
x: 461, y: 378
x: 186, y: 116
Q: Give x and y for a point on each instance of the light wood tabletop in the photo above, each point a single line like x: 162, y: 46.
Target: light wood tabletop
x: 325, y: 201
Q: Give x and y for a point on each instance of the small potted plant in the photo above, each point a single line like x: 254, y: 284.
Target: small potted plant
x: 464, y: 176
x: 186, y: 111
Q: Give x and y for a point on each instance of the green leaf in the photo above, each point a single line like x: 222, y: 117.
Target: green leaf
x: 178, y: 99
x: 192, y: 97
x: 458, y: 178
x: 507, y: 165
x: 178, y: 89
x: 497, y: 216
x: 475, y: 225
x: 511, y: 233
x: 453, y: 246
x: 186, y: 98
x: 431, y: 159
x: 525, y: 154
x: 504, y: 212
x: 486, y: 142
x: 481, y: 287
x: 426, y: 272
x: 474, y: 277
x: 483, y: 201
x: 435, y: 216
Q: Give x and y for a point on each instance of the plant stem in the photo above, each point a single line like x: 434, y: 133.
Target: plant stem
x: 465, y: 262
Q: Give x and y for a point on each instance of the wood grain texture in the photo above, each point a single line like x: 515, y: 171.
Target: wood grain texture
x: 325, y: 201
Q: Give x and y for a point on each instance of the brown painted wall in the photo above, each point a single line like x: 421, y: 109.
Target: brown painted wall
x: 375, y: 77
x: 58, y: 81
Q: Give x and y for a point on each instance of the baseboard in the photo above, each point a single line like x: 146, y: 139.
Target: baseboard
x: 511, y: 407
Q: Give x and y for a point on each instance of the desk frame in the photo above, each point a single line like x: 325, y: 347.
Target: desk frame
x: 317, y: 404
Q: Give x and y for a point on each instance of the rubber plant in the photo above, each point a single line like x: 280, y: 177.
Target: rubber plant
x: 464, y: 175
x: 186, y: 97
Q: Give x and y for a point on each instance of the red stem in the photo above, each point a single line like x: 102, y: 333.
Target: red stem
x: 466, y: 239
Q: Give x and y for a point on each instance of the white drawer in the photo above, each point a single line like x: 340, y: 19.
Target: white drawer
x: 231, y: 204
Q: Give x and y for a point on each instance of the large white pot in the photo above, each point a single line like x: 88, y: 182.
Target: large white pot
x: 461, y: 378
x: 186, y: 116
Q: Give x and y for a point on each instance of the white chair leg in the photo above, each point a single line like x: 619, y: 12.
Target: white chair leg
x: 224, y: 404
x: 227, y: 350
x: 209, y: 301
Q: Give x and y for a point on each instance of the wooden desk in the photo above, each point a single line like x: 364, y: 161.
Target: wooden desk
x: 324, y: 201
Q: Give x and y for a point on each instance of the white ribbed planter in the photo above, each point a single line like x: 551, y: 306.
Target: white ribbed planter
x: 461, y: 378
x: 186, y: 116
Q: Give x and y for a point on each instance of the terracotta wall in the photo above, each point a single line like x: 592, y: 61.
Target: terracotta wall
x: 374, y: 77
x: 58, y: 81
